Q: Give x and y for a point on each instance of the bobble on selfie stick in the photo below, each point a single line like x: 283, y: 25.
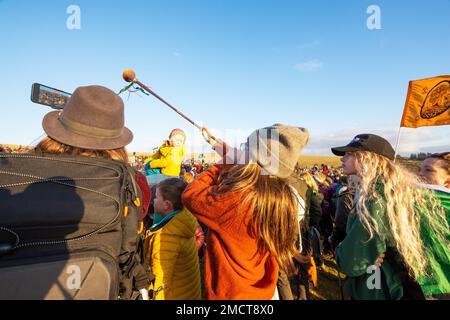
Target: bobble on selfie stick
x: 129, y: 75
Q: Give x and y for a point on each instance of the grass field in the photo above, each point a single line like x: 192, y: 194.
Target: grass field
x: 327, y: 282
x: 310, y: 161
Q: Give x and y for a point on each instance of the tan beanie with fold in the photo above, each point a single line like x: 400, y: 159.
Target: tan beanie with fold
x: 277, y: 149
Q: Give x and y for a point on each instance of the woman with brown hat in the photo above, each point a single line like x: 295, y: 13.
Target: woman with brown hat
x: 92, y: 125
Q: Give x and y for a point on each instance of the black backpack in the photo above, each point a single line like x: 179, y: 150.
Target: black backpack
x: 70, y: 228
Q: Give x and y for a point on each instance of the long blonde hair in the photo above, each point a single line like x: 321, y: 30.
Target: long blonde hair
x: 274, y: 222
x: 405, y: 204
x: 51, y: 146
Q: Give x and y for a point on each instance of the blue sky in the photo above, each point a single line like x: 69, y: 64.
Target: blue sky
x: 232, y: 65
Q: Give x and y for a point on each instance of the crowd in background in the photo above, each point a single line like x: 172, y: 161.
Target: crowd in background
x: 18, y: 149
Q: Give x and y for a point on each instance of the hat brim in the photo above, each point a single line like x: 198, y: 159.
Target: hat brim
x: 57, y: 131
x: 340, y: 151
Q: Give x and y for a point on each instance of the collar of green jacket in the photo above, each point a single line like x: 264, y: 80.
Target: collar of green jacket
x: 437, y: 188
x: 181, y: 224
x: 160, y: 221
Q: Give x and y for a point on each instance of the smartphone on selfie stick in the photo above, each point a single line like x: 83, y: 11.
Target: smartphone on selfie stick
x: 47, y: 96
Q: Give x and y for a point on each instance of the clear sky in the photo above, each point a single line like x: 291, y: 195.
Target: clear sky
x: 234, y: 65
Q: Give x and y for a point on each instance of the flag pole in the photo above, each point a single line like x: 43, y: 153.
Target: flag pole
x: 398, y: 141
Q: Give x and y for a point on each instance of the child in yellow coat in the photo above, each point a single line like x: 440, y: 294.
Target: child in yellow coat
x: 170, y: 246
x: 167, y: 161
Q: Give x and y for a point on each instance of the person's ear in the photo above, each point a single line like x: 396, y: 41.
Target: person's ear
x: 168, y: 205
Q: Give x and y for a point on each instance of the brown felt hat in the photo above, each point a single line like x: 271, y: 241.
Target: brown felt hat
x: 93, y: 118
x: 277, y: 148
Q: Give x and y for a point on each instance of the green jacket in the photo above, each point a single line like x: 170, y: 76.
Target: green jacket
x: 438, y: 281
x: 444, y: 197
x: 356, y: 253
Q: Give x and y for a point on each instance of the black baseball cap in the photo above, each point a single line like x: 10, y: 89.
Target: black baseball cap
x: 367, y: 142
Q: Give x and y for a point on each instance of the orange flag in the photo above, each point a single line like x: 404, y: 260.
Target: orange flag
x: 427, y: 103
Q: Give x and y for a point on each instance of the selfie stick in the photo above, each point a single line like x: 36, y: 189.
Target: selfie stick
x: 130, y: 76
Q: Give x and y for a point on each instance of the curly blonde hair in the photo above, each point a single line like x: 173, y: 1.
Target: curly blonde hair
x: 407, y: 206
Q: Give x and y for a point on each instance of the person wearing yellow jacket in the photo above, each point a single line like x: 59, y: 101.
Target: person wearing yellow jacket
x: 169, y: 156
x: 170, y: 246
x: 167, y: 161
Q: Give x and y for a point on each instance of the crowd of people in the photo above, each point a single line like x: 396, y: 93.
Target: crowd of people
x: 137, y: 161
x: 261, y: 228
x: 189, y: 167
x: 16, y: 149
x: 53, y: 99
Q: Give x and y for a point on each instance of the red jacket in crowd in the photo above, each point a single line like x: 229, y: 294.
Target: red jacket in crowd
x: 146, y: 193
x: 233, y: 267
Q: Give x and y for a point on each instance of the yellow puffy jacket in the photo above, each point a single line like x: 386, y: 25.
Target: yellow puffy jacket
x: 168, y: 159
x: 172, y: 254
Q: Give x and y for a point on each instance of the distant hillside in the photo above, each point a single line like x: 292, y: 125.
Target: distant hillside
x: 411, y: 165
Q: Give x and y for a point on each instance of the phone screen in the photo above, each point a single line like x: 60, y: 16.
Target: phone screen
x: 54, y: 98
